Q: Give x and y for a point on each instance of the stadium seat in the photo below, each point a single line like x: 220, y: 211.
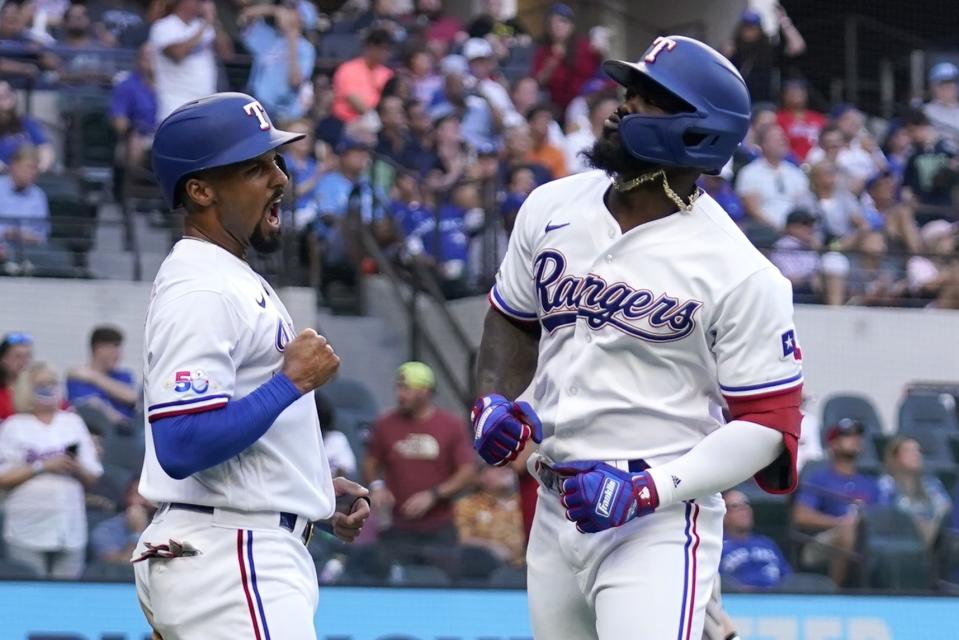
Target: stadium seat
x: 928, y: 411
x: 355, y: 411
x: 508, y: 577
x: 104, y: 572
x: 770, y: 513
x: 803, y: 582
x: 125, y: 451
x: 894, y: 551
x: 854, y: 406
x: 477, y: 563
x: 13, y: 570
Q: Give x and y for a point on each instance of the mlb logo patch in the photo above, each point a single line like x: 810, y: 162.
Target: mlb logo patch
x: 790, y: 346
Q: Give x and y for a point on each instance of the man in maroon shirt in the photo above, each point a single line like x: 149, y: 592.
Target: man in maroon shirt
x: 418, y: 458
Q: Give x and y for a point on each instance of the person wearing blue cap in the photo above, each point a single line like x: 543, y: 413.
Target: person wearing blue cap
x: 234, y: 457
x: 756, y: 55
x: 943, y: 105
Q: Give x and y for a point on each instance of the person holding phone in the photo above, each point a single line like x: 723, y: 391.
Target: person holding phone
x: 47, y: 460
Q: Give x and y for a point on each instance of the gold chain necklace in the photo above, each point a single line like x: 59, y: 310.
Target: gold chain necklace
x: 629, y: 185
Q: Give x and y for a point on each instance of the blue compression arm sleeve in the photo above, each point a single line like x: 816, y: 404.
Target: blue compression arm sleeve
x: 194, y: 442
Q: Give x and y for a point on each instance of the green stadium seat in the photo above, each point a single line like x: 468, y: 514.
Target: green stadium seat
x: 895, y: 554
x: 854, y: 406
x: 803, y: 582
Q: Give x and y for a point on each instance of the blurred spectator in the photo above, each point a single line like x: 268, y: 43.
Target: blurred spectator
x: 928, y: 274
x: 121, y: 23
x: 858, y: 155
x: 753, y: 561
x: 85, y: 62
x: 441, y: 30
x: 543, y: 152
x: 810, y: 438
x: 927, y: 175
x: 905, y: 486
x: 520, y: 182
x: 335, y: 443
x: 769, y: 186
x: 601, y: 106
x: 328, y: 128
x: 133, y: 112
x: 23, y: 234
x: 503, y: 33
x: 837, y: 210
x: 102, y: 385
x: 577, y: 113
x: 829, y: 501
x: 186, y: 44
x: 43, y: 16
x: 458, y: 218
x: 721, y: 190
x: 17, y: 128
x: 16, y: 353
x: 47, y: 458
x: 481, y: 123
x: 801, y: 124
x: 884, y: 207
x: 758, y: 56
x: 282, y: 59
x: 358, y: 83
x: 450, y: 151
x: 305, y: 173
x: 23, y: 57
x: 763, y: 116
x: 394, y: 139
x: 413, y: 216
x: 419, y: 154
x: 483, y: 68
x: 379, y: 14
x: 943, y: 106
x: 795, y: 254
x: 897, y: 148
x: 422, y: 69
x: 524, y: 93
x: 113, y: 540
x: 491, y: 518
x: 875, y: 278
x: 419, y: 457
x: 563, y: 60
x: 519, y: 145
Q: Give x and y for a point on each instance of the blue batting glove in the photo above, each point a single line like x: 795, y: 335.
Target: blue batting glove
x: 501, y: 428
x: 598, y: 496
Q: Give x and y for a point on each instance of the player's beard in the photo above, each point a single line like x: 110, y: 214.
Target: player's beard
x: 610, y: 155
x: 265, y: 241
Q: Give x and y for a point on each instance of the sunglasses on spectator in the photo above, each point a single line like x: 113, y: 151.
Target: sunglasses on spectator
x: 16, y: 338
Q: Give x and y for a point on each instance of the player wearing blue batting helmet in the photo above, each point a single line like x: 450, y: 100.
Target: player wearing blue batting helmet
x: 219, y: 130
x: 217, y: 157
x: 716, y: 106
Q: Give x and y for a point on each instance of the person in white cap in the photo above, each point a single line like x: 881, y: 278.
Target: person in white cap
x: 483, y: 67
x: 943, y: 106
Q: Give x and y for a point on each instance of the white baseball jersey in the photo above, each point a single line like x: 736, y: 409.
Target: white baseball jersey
x: 46, y: 512
x: 643, y: 333
x: 215, y: 331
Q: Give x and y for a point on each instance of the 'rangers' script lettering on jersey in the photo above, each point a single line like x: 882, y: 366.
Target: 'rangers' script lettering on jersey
x: 563, y: 298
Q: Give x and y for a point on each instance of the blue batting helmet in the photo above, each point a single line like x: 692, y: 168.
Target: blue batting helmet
x: 218, y: 130
x: 703, y: 137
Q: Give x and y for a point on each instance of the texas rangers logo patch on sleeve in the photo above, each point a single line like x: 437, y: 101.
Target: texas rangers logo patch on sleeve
x: 790, y: 346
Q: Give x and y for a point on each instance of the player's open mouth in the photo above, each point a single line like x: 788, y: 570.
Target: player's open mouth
x: 273, y: 212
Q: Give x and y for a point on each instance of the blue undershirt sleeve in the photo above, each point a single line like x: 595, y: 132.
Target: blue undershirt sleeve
x: 190, y: 443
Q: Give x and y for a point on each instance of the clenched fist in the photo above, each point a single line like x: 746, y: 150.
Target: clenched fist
x: 309, y: 361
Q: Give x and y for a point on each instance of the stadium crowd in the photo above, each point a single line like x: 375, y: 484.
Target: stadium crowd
x: 429, y: 132
x: 425, y: 134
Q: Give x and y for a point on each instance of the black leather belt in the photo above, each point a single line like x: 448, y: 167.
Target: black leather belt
x: 287, y: 520
x: 552, y: 480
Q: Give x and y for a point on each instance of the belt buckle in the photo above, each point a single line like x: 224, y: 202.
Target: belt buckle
x: 308, y: 533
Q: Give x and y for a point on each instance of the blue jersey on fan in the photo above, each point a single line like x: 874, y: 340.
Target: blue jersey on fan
x: 753, y: 561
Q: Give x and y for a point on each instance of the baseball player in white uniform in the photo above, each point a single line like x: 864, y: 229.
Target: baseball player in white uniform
x: 234, y: 458
x: 631, y: 314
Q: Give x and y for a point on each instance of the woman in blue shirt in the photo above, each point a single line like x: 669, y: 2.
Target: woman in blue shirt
x: 906, y: 487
